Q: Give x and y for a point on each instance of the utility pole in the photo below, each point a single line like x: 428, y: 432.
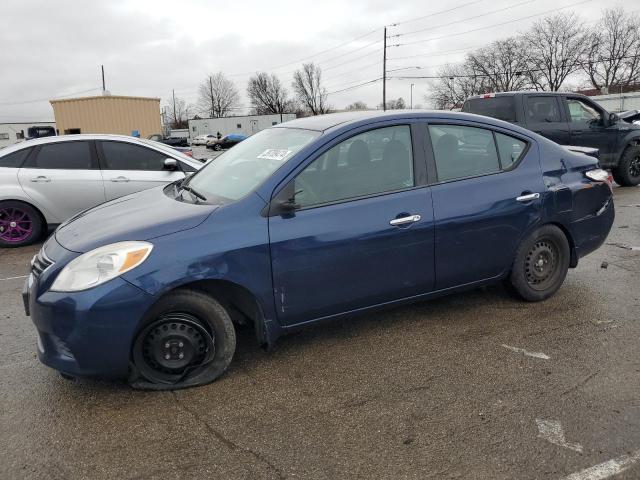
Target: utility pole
x: 412, y: 96
x: 104, y: 88
x: 173, y: 94
x: 384, y: 72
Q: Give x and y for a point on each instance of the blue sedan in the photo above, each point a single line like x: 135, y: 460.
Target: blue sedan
x: 311, y: 220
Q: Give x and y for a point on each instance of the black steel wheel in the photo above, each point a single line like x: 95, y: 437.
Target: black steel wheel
x: 187, y: 340
x: 627, y: 173
x: 540, y: 265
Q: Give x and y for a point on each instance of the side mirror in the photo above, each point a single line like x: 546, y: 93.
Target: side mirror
x: 285, y: 202
x: 170, y: 164
x: 613, y: 119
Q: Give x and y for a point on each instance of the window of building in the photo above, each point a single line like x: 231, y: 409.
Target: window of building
x: 373, y: 162
x: 4, y: 136
x: 72, y: 131
x: 20, y: 135
x: 239, y: 126
x: 274, y: 123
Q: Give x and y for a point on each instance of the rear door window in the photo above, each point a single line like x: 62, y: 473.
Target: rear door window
x: 126, y: 156
x: 542, y: 109
x: 15, y: 159
x: 63, y: 156
x: 510, y: 149
x: 502, y: 107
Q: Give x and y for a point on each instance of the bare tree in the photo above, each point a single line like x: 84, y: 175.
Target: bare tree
x: 503, y: 64
x: 398, y: 104
x: 554, y: 47
x: 613, y: 55
x: 309, y: 90
x: 455, y: 84
x: 357, y: 106
x: 218, y: 96
x: 267, y: 94
x: 177, y: 112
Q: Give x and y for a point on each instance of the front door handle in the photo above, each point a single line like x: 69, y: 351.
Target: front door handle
x: 41, y: 179
x: 528, y: 197
x: 120, y: 179
x: 405, y: 220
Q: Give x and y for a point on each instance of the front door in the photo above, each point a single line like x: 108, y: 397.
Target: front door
x: 544, y: 116
x: 489, y: 193
x: 362, y: 231
x: 63, y: 177
x: 129, y: 168
x: 589, y: 128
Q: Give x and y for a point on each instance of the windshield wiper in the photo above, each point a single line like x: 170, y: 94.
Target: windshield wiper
x: 193, y: 192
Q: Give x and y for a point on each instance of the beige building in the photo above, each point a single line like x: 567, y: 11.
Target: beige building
x: 108, y: 114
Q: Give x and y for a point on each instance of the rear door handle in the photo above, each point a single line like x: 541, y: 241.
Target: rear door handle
x: 120, y: 179
x: 41, y: 179
x: 577, y: 132
x: 528, y: 197
x: 404, y: 220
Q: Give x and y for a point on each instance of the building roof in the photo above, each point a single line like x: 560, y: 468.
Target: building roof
x: 103, y: 97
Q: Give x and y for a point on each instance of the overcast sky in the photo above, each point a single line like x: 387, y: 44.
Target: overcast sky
x: 52, y: 49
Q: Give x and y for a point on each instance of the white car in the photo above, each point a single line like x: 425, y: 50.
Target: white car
x: 202, y: 139
x: 47, y: 180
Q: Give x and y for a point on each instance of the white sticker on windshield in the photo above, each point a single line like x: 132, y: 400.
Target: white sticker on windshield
x: 274, y: 154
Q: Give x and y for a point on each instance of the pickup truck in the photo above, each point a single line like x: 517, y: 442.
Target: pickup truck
x: 569, y: 119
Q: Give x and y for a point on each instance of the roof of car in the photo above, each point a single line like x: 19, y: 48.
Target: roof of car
x: 98, y: 136
x: 522, y: 92
x: 326, y: 122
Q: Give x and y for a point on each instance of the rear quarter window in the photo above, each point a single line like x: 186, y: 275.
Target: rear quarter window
x: 502, y: 108
x: 15, y: 159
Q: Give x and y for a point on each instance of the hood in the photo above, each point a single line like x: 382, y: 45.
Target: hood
x: 140, y: 216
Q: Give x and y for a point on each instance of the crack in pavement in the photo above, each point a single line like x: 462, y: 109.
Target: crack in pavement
x: 231, y: 445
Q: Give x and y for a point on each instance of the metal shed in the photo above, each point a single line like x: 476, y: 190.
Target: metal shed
x: 247, y: 124
x: 108, y: 114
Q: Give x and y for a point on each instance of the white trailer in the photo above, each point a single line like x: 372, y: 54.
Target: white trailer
x: 11, y: 133
x: 247, y: 125
x: 619, y: 102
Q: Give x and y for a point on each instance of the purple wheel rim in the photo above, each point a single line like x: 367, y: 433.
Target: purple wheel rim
x: 16, y: 225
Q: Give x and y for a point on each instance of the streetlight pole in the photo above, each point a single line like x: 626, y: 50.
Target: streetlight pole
x: 412, y: 96
x: 384, y: 72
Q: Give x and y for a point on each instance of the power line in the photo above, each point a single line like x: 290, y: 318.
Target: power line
x: 439, y: 54
x: 24, y: 102
x: 434, y: 14
x: 491, y: 26
x: 462, y: 20
x: 352, y: 87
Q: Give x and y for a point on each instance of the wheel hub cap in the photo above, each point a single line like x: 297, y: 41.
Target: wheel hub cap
x: 15, y: 225
x: 634, y: 167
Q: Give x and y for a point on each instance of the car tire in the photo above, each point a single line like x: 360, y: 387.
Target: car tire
x: 188, y: 339
x: 627, y: 173
x: 540, y: 266
x: 217, y: 147
x: 20, y: 224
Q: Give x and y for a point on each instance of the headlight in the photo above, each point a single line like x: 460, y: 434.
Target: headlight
x: 101, y: 265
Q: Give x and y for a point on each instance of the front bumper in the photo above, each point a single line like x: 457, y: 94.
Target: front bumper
x: 87, y: 333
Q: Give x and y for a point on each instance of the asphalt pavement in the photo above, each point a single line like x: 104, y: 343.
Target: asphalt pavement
x: 473, y: 386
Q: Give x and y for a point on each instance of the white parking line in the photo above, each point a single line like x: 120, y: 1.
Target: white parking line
x: 551, y: 431
x: 13, y: 278
x: 607, y: 469
x: 527, y: 352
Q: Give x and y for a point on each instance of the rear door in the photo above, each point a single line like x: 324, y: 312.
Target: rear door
x: 129, y: 168
x: 64, y: 177
x: 487, y: 195
x: 543, y: 115
x: 362, y: 233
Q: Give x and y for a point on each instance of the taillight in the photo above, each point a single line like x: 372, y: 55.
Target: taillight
x: 599, y: 175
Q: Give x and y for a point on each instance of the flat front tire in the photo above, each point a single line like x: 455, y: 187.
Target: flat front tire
x: 188, y: 339
x: 627, y: 173
x: 540, y: 265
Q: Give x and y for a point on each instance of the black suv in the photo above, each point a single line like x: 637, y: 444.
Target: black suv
x: 569, y: 119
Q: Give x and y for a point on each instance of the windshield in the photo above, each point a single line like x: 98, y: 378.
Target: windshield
x: 245, y: 166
